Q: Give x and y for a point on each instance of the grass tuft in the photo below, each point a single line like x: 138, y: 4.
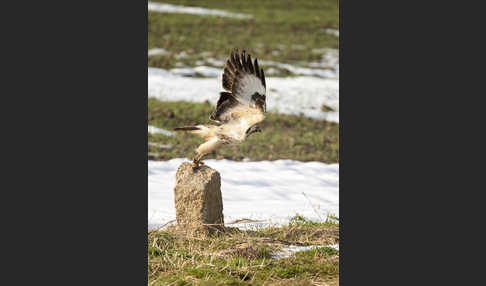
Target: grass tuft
x: 244, y: 257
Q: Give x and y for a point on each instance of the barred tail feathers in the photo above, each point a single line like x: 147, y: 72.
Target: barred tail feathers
x: 187, y: 128
x: 200, y: 130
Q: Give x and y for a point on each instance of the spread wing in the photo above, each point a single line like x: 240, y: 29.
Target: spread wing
x: 244, y: 82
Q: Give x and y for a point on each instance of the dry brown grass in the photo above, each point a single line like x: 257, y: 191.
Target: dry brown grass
x: 237, y: 257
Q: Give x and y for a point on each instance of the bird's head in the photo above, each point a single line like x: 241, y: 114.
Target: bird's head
x: 253, y: 129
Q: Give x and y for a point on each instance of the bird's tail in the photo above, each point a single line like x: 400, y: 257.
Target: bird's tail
x: 187, y: 128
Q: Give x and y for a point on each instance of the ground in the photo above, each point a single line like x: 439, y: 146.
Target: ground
x: 246, y: 257
x: 282, y: 31
x: 292, y: 40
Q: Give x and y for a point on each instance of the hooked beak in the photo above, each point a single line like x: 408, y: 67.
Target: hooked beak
x: 253, y: 129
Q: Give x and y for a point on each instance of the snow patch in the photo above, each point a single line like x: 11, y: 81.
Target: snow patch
x: 291, y: 249
x: 203, y: 71
x: 333, y: 32
x: 156, y: 130
x: 181, y: 55
x: 215, y: 62
x: 328, y: 67
x: 156, y: 52
x: 169, y: 8
x: 272, y: 71
x: 329, y: 59
x: 160, y: 146
x: 329, y: 72
x: 267, y: 191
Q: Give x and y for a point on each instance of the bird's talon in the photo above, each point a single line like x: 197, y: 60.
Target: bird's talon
x: 196, y: 163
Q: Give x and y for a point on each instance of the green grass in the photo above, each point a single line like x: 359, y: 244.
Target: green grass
x: 282, y: 31
x: 305, y: 232
x: 282, y: 136
x: 242, y: 258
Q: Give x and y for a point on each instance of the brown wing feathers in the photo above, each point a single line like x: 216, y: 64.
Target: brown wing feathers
x: 257, y: 71
x: 262, y: 77
x: 226, y: 101
x: 236, y: 65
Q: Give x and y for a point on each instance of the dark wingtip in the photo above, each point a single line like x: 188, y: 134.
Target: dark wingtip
x: 263, y: 78
x: 250, y: 64
x: 257, y: 69
x: 243, y: 60
x: 237, y: 59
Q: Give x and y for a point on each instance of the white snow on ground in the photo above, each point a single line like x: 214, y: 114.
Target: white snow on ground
x: 271, y: 191
x: 318, y: 69
x: 329, y: 59
x: 160, y: 146
x: 327, y: 67
x: 333, y: 32
x: 197, y: 71
x: 169, y: 8
x: 156, y: 130
x: 322, y: 70
x: 329, y: 72
x: 157, y: 51
x: 292, y: 95
x: 181, y: 55
x: 272, y: 71
x: 216, y: 62
x: 288, y: 251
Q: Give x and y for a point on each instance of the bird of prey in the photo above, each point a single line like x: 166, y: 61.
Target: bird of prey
x: 239, y: 109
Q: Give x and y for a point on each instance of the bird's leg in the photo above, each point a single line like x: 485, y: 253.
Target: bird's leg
x: 197, y: 160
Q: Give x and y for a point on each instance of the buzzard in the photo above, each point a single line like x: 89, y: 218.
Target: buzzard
x: 239, y: 109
